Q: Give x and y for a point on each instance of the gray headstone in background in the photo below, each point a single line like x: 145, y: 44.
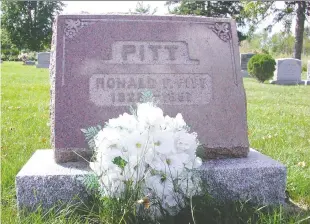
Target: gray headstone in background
x: 307, y: 82
x: 29, y: 63
x: 43, y: 60
x: 244, y: 59
x: 288, y: 72
x: 308, y: 71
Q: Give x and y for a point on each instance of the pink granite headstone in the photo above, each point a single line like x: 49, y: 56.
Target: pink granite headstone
x: 100, y: 64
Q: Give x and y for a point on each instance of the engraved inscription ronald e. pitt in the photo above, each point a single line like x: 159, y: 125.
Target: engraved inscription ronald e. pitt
x: 175, y: 89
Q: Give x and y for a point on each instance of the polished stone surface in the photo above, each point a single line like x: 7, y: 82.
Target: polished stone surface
x: 100, y: 64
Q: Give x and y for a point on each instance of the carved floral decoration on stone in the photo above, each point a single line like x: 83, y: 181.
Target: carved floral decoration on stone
x: 72, y: 27
x: 222, y: 30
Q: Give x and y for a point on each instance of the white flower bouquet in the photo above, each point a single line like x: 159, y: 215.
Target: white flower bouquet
x: 151, y: 152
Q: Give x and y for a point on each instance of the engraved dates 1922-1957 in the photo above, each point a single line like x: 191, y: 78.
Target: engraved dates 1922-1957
x: 122, y: 89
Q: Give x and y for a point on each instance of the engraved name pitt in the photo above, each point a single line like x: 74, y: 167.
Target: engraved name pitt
x: 150, y: 52
x: 175, y: 89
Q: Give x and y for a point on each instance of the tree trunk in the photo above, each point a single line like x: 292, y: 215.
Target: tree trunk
x: 208, y: 13
x: 299, y: 28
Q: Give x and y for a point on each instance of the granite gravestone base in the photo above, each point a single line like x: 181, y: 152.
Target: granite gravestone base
x: 191, y: 64
x: 289, y: 83
x: 42, y: 182
x: 256, y: 178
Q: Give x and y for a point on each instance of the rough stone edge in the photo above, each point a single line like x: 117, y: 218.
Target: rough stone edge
x: 223, y: 153
x: 257, y: 184
x: 61, y: 186
x: 287, y: 82
x: 49, y: 192
x: 112, y: 15
x: 52, y: 71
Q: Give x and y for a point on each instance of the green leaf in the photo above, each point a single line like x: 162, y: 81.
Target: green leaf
x: 91, y: 182
x: 120, y: 162
x: 147, y: 96
x: 90, y: 133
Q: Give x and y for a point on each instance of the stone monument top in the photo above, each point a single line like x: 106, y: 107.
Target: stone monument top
x: 100, y: 64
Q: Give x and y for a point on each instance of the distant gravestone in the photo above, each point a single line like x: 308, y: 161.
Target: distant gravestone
x: 244, y: 59
x: 43, y: 60
x: 29, y: 63
x: 308, y: 71
x: 100, y: 64
x: 288, y: 72
x: 307, y: 82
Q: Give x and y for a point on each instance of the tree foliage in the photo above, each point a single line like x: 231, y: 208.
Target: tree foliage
x: 256, y: 12
x: 280, y: 44
x: 29, y: 23
x: 8, y: 50
x: 142, y: 9
x: 226, y: 9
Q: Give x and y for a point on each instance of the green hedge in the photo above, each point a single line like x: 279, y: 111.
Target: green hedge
x: 261, y: 67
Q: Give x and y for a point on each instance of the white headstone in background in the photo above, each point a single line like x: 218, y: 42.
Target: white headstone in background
x: 288, y: 72
x: 307, y: 82
x: 43, y: 60
x: 244, y: 59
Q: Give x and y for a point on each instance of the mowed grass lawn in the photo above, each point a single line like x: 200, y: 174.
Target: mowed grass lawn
x: 278, y: 121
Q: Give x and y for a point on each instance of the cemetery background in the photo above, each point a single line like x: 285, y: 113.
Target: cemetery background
x: 283, y: 127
